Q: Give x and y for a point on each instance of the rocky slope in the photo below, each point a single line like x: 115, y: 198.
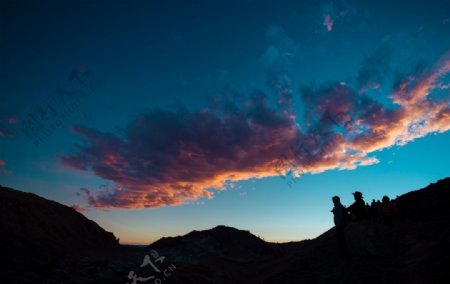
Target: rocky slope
x: 46, y: 242
x: 36, y: 235
x: 416, y: 250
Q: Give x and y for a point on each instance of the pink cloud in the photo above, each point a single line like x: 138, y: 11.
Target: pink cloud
x: 184, y: 158
x: 328, y: 22
x: 5, y: 128
x: 3, y: 171
x: 79, y: 207
x: 12, y: 120
x: 171, y: 157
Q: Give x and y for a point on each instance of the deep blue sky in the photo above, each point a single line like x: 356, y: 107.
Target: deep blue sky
x: 184, y: 98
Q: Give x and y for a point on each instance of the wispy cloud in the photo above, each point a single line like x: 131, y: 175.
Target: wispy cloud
x: 2, y: 170
x: 79, y: 207
x: 328, y: 22
x: 334, y: 10
x: 12, y: 120
x: 374, y: 70
x: 6, y: 130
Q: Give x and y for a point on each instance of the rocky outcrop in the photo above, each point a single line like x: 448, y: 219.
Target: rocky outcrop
x: 36, y: 235
x: 30, y: 223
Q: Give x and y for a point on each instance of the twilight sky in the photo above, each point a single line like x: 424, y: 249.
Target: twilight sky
x: 155, y: 119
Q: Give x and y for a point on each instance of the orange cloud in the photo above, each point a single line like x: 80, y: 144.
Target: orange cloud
x: 171, y: 157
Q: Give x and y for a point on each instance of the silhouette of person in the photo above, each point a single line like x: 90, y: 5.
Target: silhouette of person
x: 358, y: 209
x: 387, y: 212
x: 359, y: 214
x: 373, y: 211
x: 339, y: 218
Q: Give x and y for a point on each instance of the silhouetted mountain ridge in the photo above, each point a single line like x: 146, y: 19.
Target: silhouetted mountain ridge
x: 417, y: 250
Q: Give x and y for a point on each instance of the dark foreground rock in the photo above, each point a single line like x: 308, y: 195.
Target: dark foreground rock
x: 42, y: 241
x: 46, y: 242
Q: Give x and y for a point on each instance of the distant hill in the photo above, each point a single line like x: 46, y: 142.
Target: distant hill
x: 221, y: 242
x: 417, y: 250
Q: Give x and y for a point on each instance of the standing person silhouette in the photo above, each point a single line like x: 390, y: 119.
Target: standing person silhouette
x: 358, y: 210
x: 359, y: 214
x: 388, y: 209
x: 340, y: 220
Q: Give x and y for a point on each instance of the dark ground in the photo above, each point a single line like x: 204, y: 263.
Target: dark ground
x: 417, y: 250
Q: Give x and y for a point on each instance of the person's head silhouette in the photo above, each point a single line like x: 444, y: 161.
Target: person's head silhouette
x: 336, y: 199
x: 357, y: 195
